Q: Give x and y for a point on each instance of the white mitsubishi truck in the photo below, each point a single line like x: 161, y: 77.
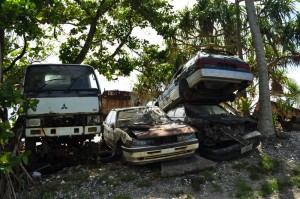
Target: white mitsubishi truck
x: 69, y: 107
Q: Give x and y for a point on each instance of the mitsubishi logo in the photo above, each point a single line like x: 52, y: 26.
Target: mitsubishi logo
x: 64, y: 107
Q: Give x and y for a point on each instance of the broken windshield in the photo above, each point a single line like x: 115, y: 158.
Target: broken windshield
x: 194, y: 110
x: 142, y: 116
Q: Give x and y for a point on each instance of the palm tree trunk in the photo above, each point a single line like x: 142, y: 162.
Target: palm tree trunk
x: 265, y: 119
x: 1, y: 53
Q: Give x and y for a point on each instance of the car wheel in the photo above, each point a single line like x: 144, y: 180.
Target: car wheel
x: 118, y: 151
x: 219, y: 154
x: 184, y: 89
x: 108, y: 155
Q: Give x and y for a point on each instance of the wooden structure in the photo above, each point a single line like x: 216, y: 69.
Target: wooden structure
x: 115, y: 99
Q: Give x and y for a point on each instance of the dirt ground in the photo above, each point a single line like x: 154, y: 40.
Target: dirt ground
x: 271, y: 171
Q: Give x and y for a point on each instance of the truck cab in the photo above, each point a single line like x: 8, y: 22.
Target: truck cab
x: 69, y: 105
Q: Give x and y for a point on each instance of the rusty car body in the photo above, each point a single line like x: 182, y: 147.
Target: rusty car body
x: 209, y: 75
x: 222, y: 134
x: 146, y: 135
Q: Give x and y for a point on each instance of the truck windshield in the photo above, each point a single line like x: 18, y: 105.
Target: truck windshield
x: 41, y: 78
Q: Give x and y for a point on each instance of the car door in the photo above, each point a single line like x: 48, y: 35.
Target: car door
x: 109, y: 125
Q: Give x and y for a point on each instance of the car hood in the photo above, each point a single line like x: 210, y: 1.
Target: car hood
x: 161, y: 130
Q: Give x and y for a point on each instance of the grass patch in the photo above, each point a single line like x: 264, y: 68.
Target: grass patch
x: 240, y: 166
x: 196, y: 182
x: 296, y: 171
x: 128, y: 178
x: 207, y: 174
x: 244, y: 189
x: 295, y: 181
x: 269, y: 164
x: 76, y: 178
x: 256, y: 172
x: 47, y: 191
x: 143, y: 183
x: 270, y: 186
x: 121, y: 197
x: 188, y: 197
x: 178, y: 193
x: 216, y: 187
x: 204, y: 176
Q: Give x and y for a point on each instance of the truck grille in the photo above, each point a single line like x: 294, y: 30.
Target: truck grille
x: 63, y: 122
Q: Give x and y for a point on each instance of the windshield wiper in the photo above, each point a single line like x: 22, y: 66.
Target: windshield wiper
x: 46, y: 83
x: 75, y: 80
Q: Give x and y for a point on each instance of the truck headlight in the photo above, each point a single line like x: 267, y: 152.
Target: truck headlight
x: 93, y: 119
x: 186, y: 137
x: 33, y: 122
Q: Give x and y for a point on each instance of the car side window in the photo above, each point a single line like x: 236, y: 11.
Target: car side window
x: 180, y: 113
x: 177, y: 113
x: 113, y: 118
x: 110, y: 118
x: 171, y: 113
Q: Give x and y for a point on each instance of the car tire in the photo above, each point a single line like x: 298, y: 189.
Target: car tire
x: 184, y: 90
x: 212, y: 154
x: 118, y: 151
x: 111, y: 155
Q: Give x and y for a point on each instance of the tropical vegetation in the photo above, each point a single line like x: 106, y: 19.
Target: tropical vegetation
x: 103, y: 33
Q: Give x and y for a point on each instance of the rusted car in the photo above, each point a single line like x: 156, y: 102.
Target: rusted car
x: 209, y: 75
x: 146, y: 135
x: 223, y: 135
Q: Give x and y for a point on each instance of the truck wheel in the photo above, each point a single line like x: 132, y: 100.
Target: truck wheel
x: 30, y: 144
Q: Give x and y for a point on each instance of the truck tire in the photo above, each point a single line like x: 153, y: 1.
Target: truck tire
x: 30, y: 144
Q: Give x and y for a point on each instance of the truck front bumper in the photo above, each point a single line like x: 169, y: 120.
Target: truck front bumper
x: 62, y: 131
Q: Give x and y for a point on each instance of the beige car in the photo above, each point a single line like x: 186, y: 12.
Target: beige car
x: 146, y: 135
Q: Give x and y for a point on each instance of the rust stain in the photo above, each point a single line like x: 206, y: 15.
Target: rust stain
x: 161, y: 132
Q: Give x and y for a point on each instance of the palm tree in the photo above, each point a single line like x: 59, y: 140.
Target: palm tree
x: 265, y: 120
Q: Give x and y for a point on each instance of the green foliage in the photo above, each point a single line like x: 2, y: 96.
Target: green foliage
x: 128, y: 178
x: 244, y: 189
x: 270, y: 186
x: 217, y: 187
x: 296, y: 171
x: 179, y: 193
x: 243, y: 105
x: 143, y: 183
x: 284, y: 107
x: 7, y: 162
x: 26, y: 38
x: 203, y: 177
x: 269, y: 164
x: 121, y: 197
x: 155, y: 73
x: 295, y: 177
x: 11, y: 98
